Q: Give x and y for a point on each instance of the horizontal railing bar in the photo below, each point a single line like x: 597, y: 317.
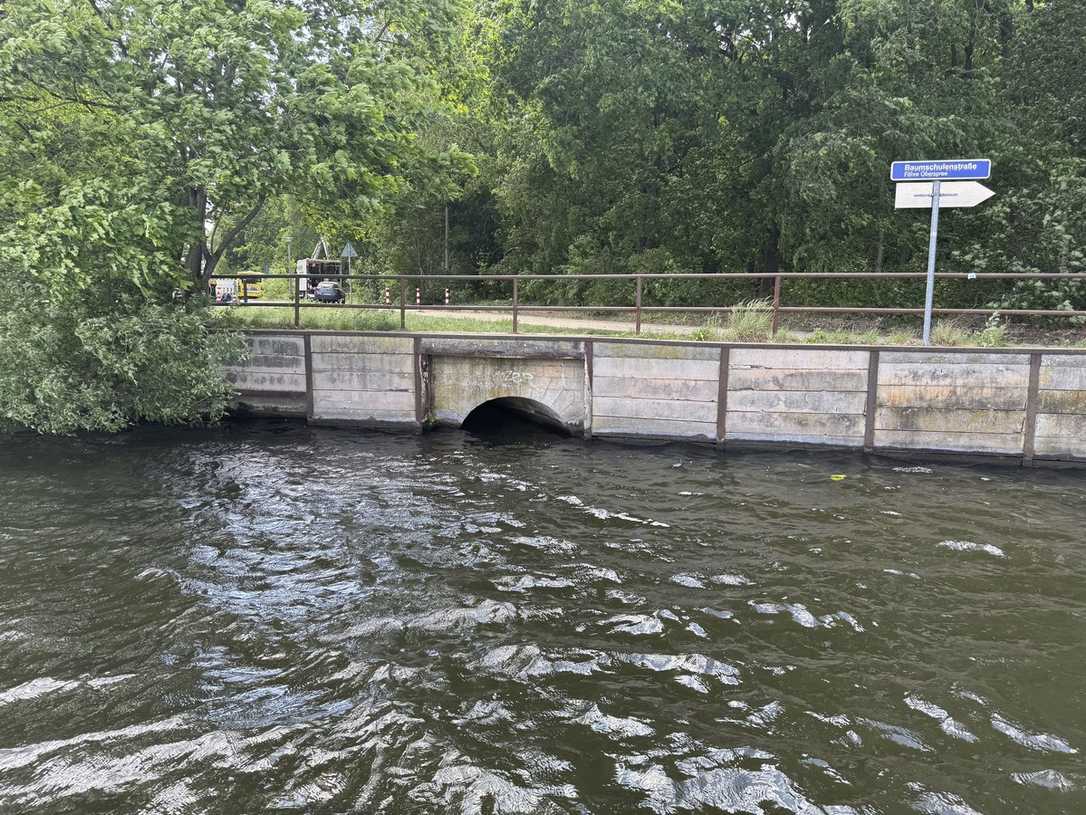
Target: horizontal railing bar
x: 256, y: 278
x: 1021, y: 312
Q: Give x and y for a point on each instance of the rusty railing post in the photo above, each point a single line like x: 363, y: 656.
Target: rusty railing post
x: 297, y: 309
x: 776, y: 305
x: 403, y: 303
x: 637, y: 319
x: 516, y: 289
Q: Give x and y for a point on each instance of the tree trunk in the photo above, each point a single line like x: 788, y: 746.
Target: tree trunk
x: 771, y: 257
x: 194, y: 259
x: 210, y: 258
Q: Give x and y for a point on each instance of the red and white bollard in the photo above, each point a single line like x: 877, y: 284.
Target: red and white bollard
x: 446, y: 297
x: 388, y: 297
x: 418, y: 297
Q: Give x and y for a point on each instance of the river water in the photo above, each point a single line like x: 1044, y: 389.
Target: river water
x: 274, y: 618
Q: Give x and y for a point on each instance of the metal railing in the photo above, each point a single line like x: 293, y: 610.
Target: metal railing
x: 637, y: 308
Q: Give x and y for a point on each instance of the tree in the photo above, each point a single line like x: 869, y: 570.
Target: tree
x: 220, y: 105
x: 140, y: 141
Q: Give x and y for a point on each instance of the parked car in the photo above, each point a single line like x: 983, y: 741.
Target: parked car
x: 328, y: 292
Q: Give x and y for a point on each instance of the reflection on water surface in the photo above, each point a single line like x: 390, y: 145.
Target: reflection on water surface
x: 275, y: 618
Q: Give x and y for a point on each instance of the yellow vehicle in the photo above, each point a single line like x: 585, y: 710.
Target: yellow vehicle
x: 248, y: 286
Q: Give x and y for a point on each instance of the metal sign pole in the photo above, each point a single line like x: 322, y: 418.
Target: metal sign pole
x: 929, y: 296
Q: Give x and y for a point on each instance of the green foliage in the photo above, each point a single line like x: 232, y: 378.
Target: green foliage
x: 215, y: 109
x: 709, y: 330
x: 701, y: 137
x: 751, y: 321
x: 949, y: 333
x: 324, y: 318
x: 841, y: 336
x: 64, y: 370
x: 993, y: 334
x: 145, y: 143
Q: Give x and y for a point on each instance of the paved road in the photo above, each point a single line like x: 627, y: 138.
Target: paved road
x: 552, y: 321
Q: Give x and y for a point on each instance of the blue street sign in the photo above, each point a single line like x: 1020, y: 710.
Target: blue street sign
x: 958, y: 169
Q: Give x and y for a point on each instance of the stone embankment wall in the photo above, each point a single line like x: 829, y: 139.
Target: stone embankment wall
x: 1028, y: 405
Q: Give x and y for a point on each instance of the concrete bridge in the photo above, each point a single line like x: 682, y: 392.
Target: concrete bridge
x: 1025, y: 405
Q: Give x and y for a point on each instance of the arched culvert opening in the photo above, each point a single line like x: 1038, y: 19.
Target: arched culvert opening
x: 514, y: 415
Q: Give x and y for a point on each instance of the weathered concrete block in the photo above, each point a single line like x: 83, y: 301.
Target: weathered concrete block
x: 274, y: 404
x: 793, y: 358
x: 1060, y: 435
x: 952, y: 396
x: 797, y: 402
x: 793, y: 379
x: 248, y: 381
x: 363, y: 381
x: 349, y: 344
x: 365, y: 417
x: 502, y: 349
x: 633, y: 350
x: 381, y: 401
x: 1075, y: 359
x: 950, y: 421
x: 950, y: 442
x: 272, y: 345
x: 460, y: 384
x: 632, y: 367
x: 620, y: 407
x: 274, y: 363
x: 1062, y: 401
x: 656, y: 428
x: 789, y: 437
x: 803, y: 427
x: 362, y: 363
x: 697, y: 390
x: 953, y: 358
x: 922, y: 374
x: 1062, y: 377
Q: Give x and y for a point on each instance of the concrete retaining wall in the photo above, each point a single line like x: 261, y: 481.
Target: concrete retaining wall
x: 799, y: 396
x: 273, y: 381
x: 963, y: 402
x: 663, y: 390
x: 1061, y: 409
x: 1030, y: 405
x: 366, y: 380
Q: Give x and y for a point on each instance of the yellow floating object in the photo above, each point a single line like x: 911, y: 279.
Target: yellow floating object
x: 838, y: 477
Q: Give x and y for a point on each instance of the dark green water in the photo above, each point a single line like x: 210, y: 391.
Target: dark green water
x: 270, y: 618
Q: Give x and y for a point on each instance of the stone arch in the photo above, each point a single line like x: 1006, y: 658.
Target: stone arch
x: 545, y: 389
x: 531, y: 409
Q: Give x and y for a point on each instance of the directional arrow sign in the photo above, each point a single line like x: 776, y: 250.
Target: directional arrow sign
x: 951, y: 194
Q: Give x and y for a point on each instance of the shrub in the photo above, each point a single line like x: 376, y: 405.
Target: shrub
x: 949, y: 332
x: 994, y: 332
x: 751, y: 321
x: 63, y: 370
x: 709, y: 329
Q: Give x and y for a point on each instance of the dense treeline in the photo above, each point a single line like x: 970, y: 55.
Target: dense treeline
x: 619, y: 136
x: 148, y: 144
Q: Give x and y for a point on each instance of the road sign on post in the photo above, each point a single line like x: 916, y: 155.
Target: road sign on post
x: 937, y: 184
x: 348, y: 252
x: 962, y: 169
